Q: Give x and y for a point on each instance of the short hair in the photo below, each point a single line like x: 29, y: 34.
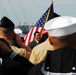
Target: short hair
x: 68, y: 40
x: 36, y: 32
x: 5, y: 31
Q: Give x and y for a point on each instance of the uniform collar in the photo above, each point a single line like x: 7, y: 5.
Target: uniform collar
x: 37, y: 41
x: 59, y: 61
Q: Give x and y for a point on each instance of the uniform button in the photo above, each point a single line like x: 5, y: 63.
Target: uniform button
x: 73, y: 68
x: 47, y: 68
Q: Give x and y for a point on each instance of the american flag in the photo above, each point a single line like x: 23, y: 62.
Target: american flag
x: 39, y: 26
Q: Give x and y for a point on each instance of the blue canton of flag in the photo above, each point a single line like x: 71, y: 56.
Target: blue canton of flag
x: 42, y: 20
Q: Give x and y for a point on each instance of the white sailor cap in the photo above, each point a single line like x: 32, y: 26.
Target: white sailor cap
x: 18, y: 31
x: 61, y: 26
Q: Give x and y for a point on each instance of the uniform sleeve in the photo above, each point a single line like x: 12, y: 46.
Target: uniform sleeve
x: 32, y: 58
x: 21, y: 51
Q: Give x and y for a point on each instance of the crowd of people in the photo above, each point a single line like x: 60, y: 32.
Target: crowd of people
x: 52, y: 53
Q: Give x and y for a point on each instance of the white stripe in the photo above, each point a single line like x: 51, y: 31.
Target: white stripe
x: 39, y: 29
x: 0, y: 61
x: 51, y: 73
x: 34, y: 29
x: 27, y: 37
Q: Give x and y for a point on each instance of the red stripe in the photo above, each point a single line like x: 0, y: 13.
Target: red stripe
x: 42, y: 30
x: 30, y: 35
x: 37, y: 28
x: 25, y: 38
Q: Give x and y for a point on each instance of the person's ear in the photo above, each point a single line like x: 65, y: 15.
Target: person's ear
x: 50, y: 40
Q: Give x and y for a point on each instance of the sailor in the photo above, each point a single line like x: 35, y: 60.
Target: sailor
x: 61, y: 61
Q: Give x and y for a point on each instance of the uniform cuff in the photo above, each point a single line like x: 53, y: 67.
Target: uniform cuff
x: 12, y: 55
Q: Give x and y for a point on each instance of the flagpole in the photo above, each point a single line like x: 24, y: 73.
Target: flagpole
x: 48, y: 12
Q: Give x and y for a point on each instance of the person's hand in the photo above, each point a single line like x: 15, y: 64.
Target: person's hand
x: 21, y: 43
x: 18, y: 39
x: 4, y: 49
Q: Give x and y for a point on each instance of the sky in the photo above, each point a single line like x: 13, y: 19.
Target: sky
x: 23, y: 12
